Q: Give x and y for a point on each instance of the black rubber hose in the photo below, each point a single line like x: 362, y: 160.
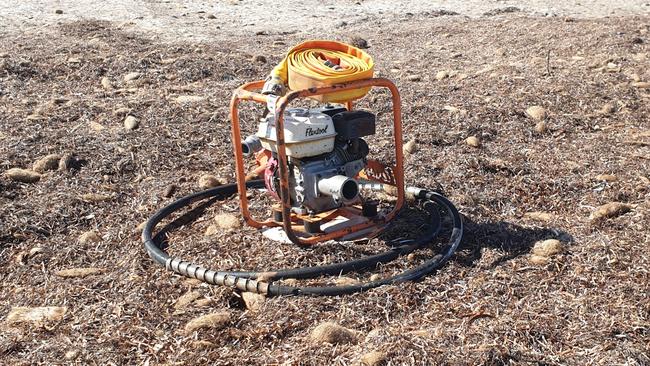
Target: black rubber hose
x: 245, y: 281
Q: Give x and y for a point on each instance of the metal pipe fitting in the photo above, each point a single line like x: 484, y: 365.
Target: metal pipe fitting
x: 251, y: 145
x: 340, y: 187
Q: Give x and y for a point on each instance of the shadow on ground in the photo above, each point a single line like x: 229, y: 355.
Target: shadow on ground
x: 514, y: 240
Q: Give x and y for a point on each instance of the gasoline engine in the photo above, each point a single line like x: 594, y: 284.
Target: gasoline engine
x: 325, y: 153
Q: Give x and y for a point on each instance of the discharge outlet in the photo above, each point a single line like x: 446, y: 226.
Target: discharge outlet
x: 339, y: 187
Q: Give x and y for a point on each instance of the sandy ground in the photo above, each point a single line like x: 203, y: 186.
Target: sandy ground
x: 71, y: 239
x: 188, y: 20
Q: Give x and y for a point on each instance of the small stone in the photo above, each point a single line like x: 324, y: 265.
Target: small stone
x: 375, y: 277
x: 23, y: 175
x: 411, y: 257
x: 132, y: 76
x: 89, y: 237
x: 131, y: 123
x: 539, y: 216
x: 541, y: 127
x: 359, y: 42
x: 536, y: 112
x: 609, y: 210
x: 409, y: 147
x: 212, y: 16
x: 186, y: 299
x: 97, y: 127
x: 106, y: 83
x: 641, y: 84
x: 607, y: 177
x: 547, y: 248
x: 414, y: 77
x: 58, y: 11
x: 49, y: 162
x: 169, y: 190
x: 259, y: 58
x: 216, y: 321
x: 332, y: 333
x: 211, y: 230
x: 71, y: 355
x: 189, y: 99
x: 209, y: 181
x: 608, y: 108
x: 79, y: 272
x: 635, y: 77
x: 253, y: 301
x: 374, y: 358
x: 442, y: 75
x: 473, y: 141
x: 36, y: 316
x: 227, y: 221
x: 637, y: 40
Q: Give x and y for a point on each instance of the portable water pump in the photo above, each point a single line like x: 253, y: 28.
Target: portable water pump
x: 315, y: 163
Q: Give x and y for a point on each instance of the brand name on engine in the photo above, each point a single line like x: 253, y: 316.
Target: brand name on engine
x: 317, y: 131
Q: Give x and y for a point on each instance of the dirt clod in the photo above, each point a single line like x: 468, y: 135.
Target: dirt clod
x: 473, y: 141
x: 536, y: 112
x: 253, y: 301
x: 373, y: 358
x: 131, y: 123
x: 35, y: 316
x: 410, y: 147
x: 132, y: 76
x: 227, y: 221
x: 95, y: 197
x: 106, y: 83
x: 442, y: 75
x: 89, y: 237
x: 186, y: 299
x: 333, y: 333
x: 547, y: 248
x: 641, y: 85
x: 610, y: 210
x: 608, y: 108
x: 211, y: 230
x: 49, y: 162
x: 23, y: 175
x: 607, y: 177
x: 79, y: 272
x: 539, y: 216
x: 216, y: 321
x: 189, y: 99
x: 207, y: 181
x: 71, y: 355
x: 538, y: 260
x: 540, y: 127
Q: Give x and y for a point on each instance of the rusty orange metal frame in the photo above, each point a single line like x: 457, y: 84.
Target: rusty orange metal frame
x: 245, y: 92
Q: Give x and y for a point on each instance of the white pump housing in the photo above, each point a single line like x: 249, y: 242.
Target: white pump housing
x: 306, y: 133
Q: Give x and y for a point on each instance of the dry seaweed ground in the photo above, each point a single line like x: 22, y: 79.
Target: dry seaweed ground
x: 490, y: 305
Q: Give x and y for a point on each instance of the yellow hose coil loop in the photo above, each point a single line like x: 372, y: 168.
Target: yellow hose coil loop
x: 325, y: 63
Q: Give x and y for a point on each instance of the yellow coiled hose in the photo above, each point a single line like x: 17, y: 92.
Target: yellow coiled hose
x: 318, y: 64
